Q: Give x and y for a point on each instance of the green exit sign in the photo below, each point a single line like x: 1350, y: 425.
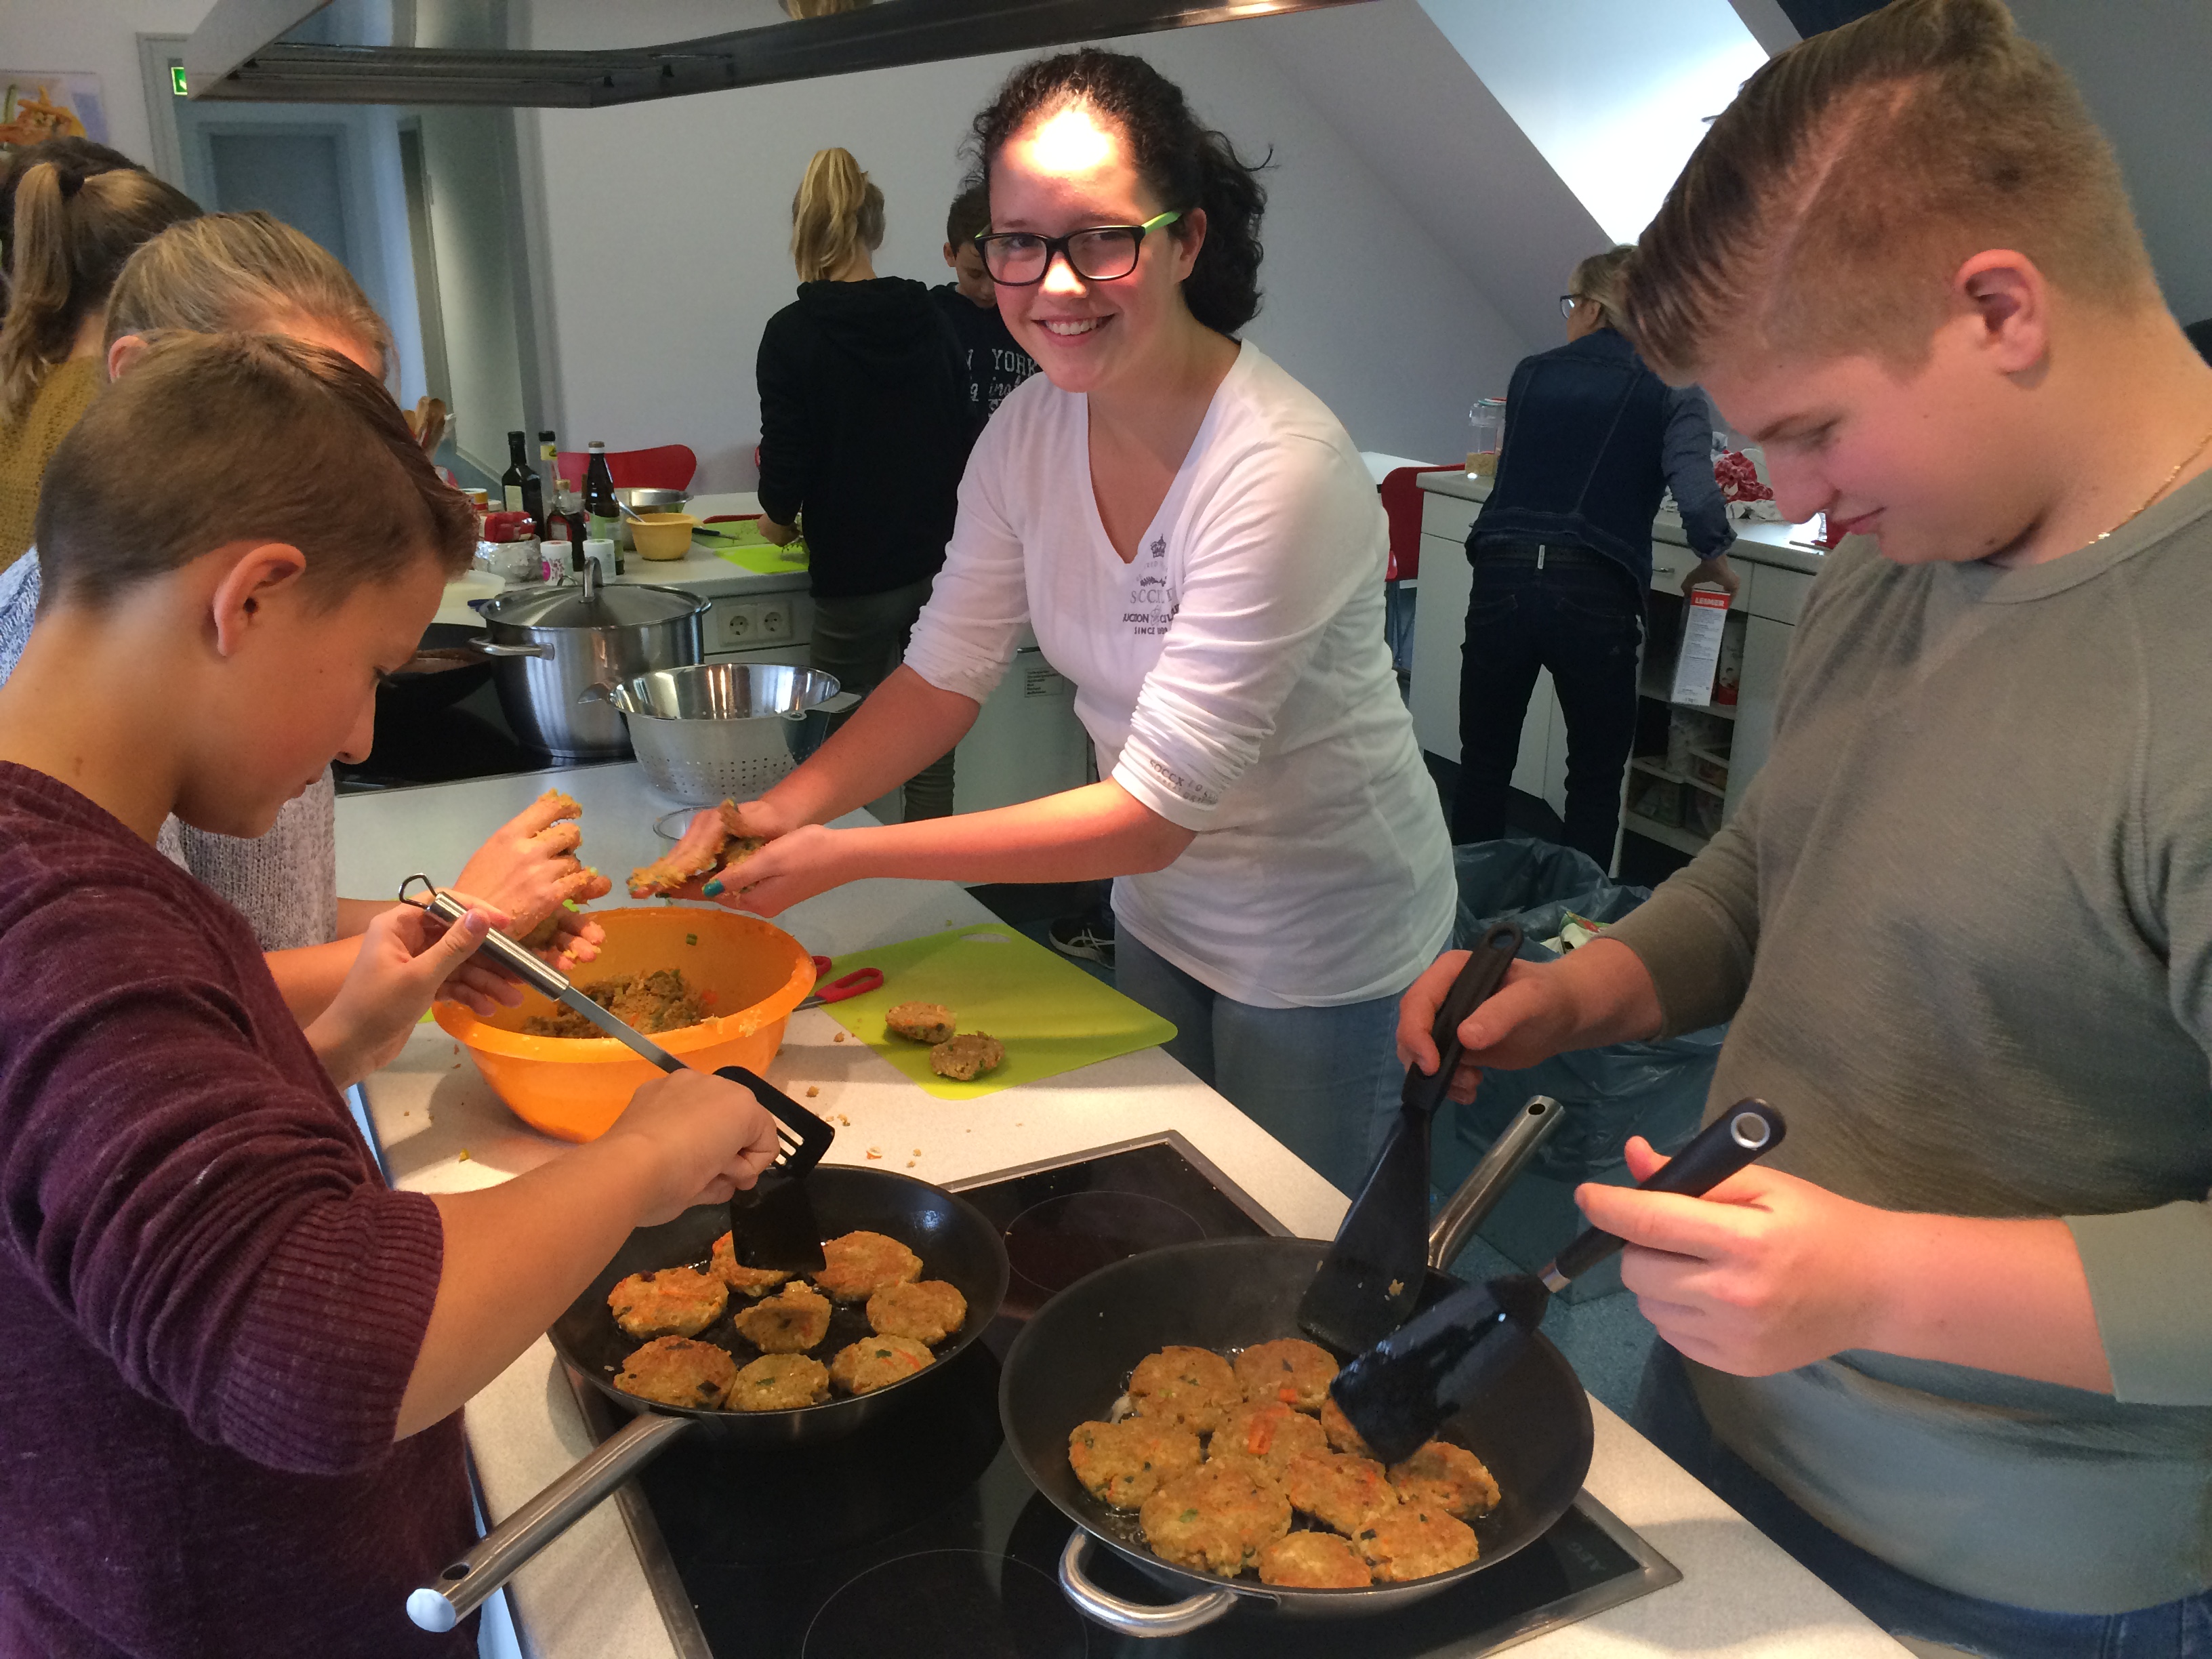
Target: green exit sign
x: 177, y: 79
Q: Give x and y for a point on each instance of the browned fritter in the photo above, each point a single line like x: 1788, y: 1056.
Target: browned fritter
x: 1314, y: 1560
x: 921, y: 1021
x: 1346, y: 1493
x: 1415, y: 1542
x: 1296, y: 1373
x: 668, y: 1302
x: 968, y: 1056
x: 928, y: 1310
x: 791, y: 1322
x: 674, y: 1370
x: 1124, y: 1463
x: 745, y: 1281
x: 1194, y: 1386
x: 1342, y: 1437
x: 876, y: 1362
x: 1441, y: 1475
x: 857, y: 1266
x: 1267, y: 1433
x: 1216, y: 1519
x: 779, y: 1382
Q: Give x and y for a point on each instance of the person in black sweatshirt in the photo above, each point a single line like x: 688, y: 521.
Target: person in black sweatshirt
x: 865, y: 430
x: 993, y: 364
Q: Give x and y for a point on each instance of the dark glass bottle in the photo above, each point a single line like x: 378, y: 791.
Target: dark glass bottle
x: 523, y: 490
x: 603, y: 517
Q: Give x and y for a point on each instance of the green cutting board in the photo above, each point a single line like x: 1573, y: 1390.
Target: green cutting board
x: 1051, y: 1016
x: 747, y: 549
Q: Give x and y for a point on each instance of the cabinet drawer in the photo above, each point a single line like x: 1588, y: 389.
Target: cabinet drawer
x: 1447, y: 516
x: 1777, y: 593
x: 1670, y: 562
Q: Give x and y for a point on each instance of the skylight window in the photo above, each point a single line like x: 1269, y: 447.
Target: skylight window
x: 1615, y: 94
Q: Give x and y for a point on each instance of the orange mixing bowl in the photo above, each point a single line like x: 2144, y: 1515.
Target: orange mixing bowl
x: 575, y: 1087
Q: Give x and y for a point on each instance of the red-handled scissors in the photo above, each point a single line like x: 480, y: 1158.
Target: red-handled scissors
x: 859, y: 982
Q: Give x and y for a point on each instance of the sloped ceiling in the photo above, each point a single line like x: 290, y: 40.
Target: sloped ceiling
x: 1386, y: 79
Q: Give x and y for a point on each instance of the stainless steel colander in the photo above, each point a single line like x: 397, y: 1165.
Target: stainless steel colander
x: 721, y: 731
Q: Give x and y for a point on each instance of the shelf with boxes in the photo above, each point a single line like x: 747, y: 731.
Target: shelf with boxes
x: 1677, y: 780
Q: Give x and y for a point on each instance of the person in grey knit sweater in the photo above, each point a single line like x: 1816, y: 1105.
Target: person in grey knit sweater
x: 247, y: 272
x: 1953, y: 1346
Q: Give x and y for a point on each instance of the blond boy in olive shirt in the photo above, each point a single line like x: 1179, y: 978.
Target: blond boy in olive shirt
x: 1962, y: 1326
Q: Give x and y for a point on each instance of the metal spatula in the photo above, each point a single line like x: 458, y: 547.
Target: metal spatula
x: 1366, y: 1286
x: 774, y: 1225
x: 1412, y: 1382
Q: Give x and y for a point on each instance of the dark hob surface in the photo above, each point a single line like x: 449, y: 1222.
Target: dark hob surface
x: 920, y: 1536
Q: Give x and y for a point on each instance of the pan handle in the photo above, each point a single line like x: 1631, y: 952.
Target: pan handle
x: 501, y: 1552
x: 1467, y: 1208
x: 1136, y: 1618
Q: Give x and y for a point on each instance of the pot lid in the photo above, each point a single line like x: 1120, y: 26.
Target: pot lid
x: 624, y: 605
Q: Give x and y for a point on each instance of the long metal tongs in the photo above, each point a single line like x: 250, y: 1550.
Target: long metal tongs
x: 1367, y: 1284
x: 774, y: 1225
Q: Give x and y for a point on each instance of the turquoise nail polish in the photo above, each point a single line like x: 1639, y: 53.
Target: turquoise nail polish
x: 712, y: 889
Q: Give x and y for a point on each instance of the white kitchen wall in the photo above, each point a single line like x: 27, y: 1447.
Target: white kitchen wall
x: 100, y: 36
x: 669, y: 222
x: 476, y: 293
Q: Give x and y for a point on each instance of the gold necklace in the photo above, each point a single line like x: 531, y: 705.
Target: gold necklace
x: 2165, y: 484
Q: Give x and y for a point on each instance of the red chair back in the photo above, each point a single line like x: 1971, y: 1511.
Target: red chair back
x: 666, y: 466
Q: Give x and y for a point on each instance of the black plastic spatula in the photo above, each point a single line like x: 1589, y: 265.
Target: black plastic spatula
x: 1405, y: 1387
x: 1366, y: 1286
x: 772, y: 1226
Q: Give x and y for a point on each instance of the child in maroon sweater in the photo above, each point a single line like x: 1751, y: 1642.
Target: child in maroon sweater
x: 231, y: 1359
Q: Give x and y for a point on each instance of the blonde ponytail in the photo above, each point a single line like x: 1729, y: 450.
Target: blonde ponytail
x: 240, y: 273
x: 72, y: 234
x: 1603, y: 278
x: 837, y: 213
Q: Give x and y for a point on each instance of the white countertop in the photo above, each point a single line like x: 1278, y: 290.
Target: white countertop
x: 585, y: 1595
x: 1756, y: 540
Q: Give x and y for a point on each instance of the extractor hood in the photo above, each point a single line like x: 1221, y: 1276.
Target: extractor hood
x: 254, y: 49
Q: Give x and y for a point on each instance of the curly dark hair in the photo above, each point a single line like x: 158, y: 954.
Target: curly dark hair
x: 1185, y: 165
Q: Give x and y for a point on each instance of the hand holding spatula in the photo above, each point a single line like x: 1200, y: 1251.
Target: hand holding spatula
x: 1401, y: 1390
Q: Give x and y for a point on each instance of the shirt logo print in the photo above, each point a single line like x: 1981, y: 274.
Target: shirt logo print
x: 1152, y: 598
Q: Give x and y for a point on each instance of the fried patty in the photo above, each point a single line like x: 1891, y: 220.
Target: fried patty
x: 1441, y: 1475
x: 779, y: 1382
x: 1216, y: 1519
x: 1342, y: 1437
x: 857, y: 1266
x: 1194, y: 1386
x: 968, y: 1056
x: 674, y: 1370
x: 1415, y: 1542
x: 921, y: 1021
x: 1265, y: 1433
x: 668, y: 1302
x: 1346, y: 1493
x: 1314, y: 1560
x: 928, y: 1310
x: 876, y: 1362
x: 745, y: 1281
x: 1296, y: 1373
x: 1124, y: 1463
x: 789, y: 1323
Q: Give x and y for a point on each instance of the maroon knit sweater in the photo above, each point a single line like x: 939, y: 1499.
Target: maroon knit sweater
x: 209, y: 1301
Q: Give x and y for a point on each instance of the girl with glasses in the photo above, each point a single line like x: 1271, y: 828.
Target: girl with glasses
x: 1196, y: 544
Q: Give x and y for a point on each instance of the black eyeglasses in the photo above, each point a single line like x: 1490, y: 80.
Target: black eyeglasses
x: 1569, y: 301
x: 1099, y: 253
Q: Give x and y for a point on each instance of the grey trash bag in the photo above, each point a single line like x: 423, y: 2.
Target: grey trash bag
x: 1656, y: 1089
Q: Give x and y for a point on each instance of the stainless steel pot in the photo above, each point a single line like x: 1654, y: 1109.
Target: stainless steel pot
x: 723, y: 729
x: 552, y: 642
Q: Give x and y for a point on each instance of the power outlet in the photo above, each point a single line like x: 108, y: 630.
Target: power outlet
x: 775, y: 621
x: 740, y: 623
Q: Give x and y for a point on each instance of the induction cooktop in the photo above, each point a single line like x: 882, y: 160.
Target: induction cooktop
x: 920, y: 1536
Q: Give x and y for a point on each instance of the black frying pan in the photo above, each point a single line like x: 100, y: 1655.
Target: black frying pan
x: 956, y: 1243
x: 1073, y: 1359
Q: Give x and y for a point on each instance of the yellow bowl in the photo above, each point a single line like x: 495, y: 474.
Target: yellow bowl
x: 575, y: 1087
x: 662, y: 535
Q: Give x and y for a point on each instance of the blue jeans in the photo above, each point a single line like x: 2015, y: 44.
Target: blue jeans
x: 1323, y: 1081
x: 1668, y: 1414
x: 1578, y: 614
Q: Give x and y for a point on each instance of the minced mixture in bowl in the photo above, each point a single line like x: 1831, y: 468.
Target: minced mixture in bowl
x: 653, y: 1002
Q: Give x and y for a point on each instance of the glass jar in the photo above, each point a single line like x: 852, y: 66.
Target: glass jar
x: 1487, y: 432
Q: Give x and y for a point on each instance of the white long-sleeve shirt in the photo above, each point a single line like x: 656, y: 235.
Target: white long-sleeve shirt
x: 1233, y: 676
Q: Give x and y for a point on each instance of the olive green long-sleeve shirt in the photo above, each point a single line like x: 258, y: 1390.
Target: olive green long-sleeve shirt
x: 1963, y: 924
